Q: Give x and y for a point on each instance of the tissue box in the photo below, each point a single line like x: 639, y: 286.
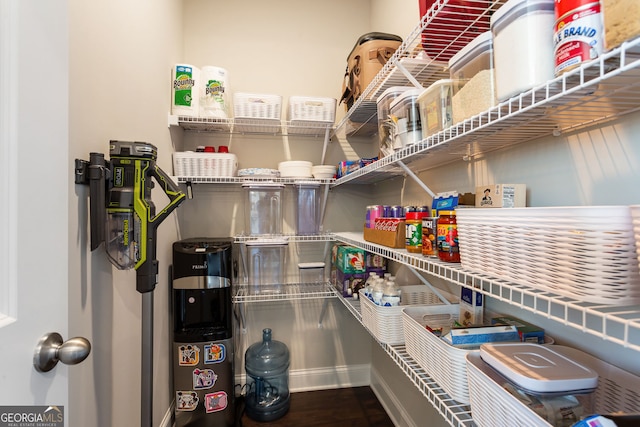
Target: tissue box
x: 501, y: 196
x: 527, y: 331
x: 471, y: 307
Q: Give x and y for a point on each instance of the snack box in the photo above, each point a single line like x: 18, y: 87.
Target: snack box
x: 350, y: 259
x: 471, y: 307
x: 501, y: 196
x: 528, y: 332
x: 349, y: 283
x: 473, y: 337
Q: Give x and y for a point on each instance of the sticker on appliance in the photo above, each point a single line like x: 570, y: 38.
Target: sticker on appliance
x: 214, y: 353
x: 215, y: 402
x: 188, y: 355
x: 203, y: 378
x: 186, y: 400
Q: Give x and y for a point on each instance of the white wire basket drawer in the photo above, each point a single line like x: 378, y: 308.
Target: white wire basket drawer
x: 446, y: 364
x: 192, y: 164
x: 584, y: 252
x: 492, y: 406
x: 257, y: 106
x: 307, y: 109
x: 385, y: 323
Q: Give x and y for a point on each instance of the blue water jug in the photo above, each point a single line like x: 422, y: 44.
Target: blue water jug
x: 267, y: 367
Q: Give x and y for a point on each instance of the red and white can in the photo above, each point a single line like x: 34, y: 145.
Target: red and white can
x: 578, y: 33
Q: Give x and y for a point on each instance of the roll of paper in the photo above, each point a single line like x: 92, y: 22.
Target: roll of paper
x: 213, y: 92
x: 184, y: 90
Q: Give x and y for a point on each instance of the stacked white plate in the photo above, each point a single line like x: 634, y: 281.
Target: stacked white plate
x: 295, y: 169
x: 323, y: 171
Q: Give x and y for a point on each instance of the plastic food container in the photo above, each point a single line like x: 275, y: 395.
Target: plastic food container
x: 265, y: 265
x: 263, y: 208
x: 295, y: 169
x: 405, y: 113
x: 435, y: 107
x: 539, y: 369
x: 323, y: 171
x: 523, y: 45
x: 307, y: 208
x: 386, y: 126
x: 473, y: 78
x: 311, y: 272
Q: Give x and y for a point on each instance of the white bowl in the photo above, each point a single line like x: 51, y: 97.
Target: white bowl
x: 295, y: 169
x: 323, y: 171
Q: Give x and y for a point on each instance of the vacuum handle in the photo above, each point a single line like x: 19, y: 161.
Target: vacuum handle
x: 171, y: 189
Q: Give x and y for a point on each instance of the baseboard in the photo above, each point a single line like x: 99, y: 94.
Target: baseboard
x: 325, y: 378
x: 389, y: 401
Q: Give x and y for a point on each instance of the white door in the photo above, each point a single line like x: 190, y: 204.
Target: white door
x: 34, y: 186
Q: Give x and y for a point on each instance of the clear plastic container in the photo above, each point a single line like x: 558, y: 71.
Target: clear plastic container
x: 311, y: 272
x: 267, y: 367
x: 523, y: 45
x: 435, y: 107
x: 263, y: 208
x: 405, y: 112
x: 386, y: 126
x: 307, y: 208
x: 473, y: 78
x: 265, y: 265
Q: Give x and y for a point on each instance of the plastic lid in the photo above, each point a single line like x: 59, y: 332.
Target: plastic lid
x: 262, y: 185
x: 309, y: 265
x: 267, y: 242
x: 393, y: 90
x: 405, y: 96
x: 514, y: 9
x: 438, y: 85
x: 482, y: 43
x: 452, y: 213
x: 538, y: 369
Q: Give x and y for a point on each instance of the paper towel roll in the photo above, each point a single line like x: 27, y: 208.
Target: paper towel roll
x: 213, y: 92
x: 184, y: 92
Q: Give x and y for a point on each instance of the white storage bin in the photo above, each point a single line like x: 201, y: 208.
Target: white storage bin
x: 581, y: 252
x: 307, y: 109
x: 493, y: 406
x: 265, y: 266
x: 193, y: 164
x: 444, y: 363
x: 263, y: 208
x: 523, y: 45
x: 257, y: 106
x: 385, y: 323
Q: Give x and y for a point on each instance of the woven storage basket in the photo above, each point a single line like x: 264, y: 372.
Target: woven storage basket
x: 493, y: 406
x: 635, y: 217
x: 306, y: 109
x: 586, y: 252
x: 257, y: 106
x: 444, y: 363
x: 385, y: 323
x: 191, y: 164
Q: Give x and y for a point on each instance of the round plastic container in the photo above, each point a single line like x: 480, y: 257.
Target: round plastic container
x: 267, y: 367
x: 295, y: 169
x: 405, y: 113
x: 386, y: 126
x: 523, y: 45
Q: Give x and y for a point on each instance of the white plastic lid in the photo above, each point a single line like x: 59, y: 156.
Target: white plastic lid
x: 538, y: 368
x: 310, y: 265
x: 393, y: 90
x: 411, y: 94
x: 514, y: 9
x: 267, y: 242
x: 482, y: 43
x: 262, y: 185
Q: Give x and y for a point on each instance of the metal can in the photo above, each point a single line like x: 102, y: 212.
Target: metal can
x: 397, y: 211
x: 578, y: 35
x: 386, y: 211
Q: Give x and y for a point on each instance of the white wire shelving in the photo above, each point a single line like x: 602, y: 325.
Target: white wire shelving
x: 308, y: 128
x: 288, y: 292
x: 594, y: 93
x: 234, y: 180
x: 455, y: 413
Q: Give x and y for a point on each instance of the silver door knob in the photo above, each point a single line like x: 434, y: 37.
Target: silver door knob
x: 51, y: 349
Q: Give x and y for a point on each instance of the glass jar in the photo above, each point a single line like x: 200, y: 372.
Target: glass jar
x: 447, y: 237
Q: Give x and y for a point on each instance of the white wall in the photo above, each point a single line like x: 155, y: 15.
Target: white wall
x: 121, y: 54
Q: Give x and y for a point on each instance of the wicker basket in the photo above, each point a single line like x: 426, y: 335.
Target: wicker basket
x: 257, y: 106
x: 635, y: 217
x: 493, y: 406
x: 306, y: 109
x: 385, y: 323
x: 586, y: 252
x: 444, y: 363
x: 191, y: 164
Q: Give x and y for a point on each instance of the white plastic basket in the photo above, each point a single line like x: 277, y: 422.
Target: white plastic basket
x: 385, y: 323
x: 493, y: 406
x: 583, y: 252
x: 257, y: 106
x: 444, y: 363
x: 635, y: 217
x: 192, y: 164
x: 307, y: 109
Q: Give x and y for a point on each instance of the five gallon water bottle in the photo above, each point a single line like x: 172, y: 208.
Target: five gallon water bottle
x: 267, y: 366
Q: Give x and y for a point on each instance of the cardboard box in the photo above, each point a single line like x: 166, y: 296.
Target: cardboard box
x: 501, y: 196
x: 350, y: 259
x: 471, y: 307
x: 527, y: 331
x: 387, y: 232
x: 349, y: 283
x: 474, y: 337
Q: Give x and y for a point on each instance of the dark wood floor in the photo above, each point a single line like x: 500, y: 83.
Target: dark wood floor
x: 355, y: 407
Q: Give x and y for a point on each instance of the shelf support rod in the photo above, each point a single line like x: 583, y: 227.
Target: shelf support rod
x: 323, y: 207
x: 429, y: 285
x: 408, y: 75
x: 325, y: 303
x: 327, y: 133
x: 413, y: 176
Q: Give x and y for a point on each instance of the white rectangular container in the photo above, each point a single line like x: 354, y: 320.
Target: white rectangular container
x: 265, y: 266
x: 263, y: 208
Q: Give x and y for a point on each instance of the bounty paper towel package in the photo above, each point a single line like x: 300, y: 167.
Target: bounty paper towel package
x: 213, y: 92
x: 184, y: 90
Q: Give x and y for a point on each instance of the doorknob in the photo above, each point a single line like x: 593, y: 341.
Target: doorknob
x: 51, y: 349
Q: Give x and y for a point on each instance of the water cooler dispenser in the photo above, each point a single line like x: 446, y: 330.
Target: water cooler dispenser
x: 203, y: 372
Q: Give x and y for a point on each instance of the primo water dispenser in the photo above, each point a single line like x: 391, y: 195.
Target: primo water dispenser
x: 203, y: 372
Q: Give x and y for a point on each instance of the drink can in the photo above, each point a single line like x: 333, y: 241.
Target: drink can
x: 374, y: 211
x: 386, y: 211
x: 397, y: 211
